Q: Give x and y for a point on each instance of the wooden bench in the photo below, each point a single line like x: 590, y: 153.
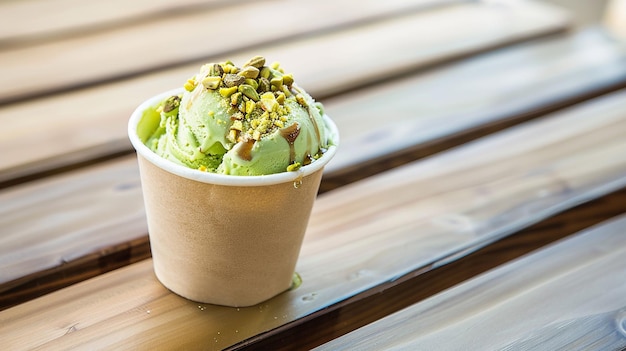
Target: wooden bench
x: 568, y: 296
x: 399, y: 218
x: 78, y: 228
x: 80, y: 232
x: 73, y: 138
x: 362, y: 239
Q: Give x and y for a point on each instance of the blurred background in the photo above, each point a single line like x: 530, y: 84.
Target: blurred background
x: 585, y: 12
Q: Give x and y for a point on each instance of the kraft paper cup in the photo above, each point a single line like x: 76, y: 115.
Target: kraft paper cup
x: 222, y: 239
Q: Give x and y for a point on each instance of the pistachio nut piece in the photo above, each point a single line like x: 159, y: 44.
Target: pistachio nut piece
x: 249, y: 91
x: 256, y: 61
x: 211, y: 82
x: 249, y: 72
x: 231, y: 80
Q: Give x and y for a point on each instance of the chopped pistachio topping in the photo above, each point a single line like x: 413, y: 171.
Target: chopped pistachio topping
x: 227, y: 92
x: 256, y: 61
x: 236, y: 98
x: 249, y: 72
x: 170, y: 105
x: 301, y: 100
x: 211, y: 82
x: 216, y: 70
x: 288, y: 79
x: 251, y: 82
x: 280, y: 98
x: 237, y: 125
x: 231, y: 80
x: 256, y: 93
x: 250, y: 106
x: 294, y: 167
x: 277, y: 81
x: 190, y: 84
x: 265, y: 72
x: 249, y: 91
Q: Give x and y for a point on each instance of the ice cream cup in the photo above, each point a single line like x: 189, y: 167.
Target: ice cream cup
x: 223, y: 239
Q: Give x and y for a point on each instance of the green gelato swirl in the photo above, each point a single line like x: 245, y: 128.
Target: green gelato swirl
x: 252, y: 120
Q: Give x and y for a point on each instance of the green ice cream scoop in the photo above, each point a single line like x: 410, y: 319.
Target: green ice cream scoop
x: 249, y: 120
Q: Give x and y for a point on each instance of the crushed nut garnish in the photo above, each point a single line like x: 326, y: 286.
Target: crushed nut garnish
x: 294, y: 167
x: 170, y: 105
x: 190, y: 84
x: 256, y: 93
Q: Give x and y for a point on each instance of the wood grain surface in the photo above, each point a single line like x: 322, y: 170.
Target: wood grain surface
x: 33, y: 21
x: 53, y: 222
x: 122, y: 52
x: 473, y: 133
x: 539, y: 77
x: 361, y: 236
x: 370, y: 306
x: 568, y: 296
x: 413, y: 122
x: 426, y: 113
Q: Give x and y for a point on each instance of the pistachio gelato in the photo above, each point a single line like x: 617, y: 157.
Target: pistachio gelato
x: 248, y: 120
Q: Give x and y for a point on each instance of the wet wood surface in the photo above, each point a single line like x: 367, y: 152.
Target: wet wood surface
x: 473, y: 132
x: 362, y: 237
x: 568, y: 296
x: 93, y: 219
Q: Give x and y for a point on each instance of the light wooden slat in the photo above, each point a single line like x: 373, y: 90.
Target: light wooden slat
x: 30, y: 20
x: 383, y: 300
x: 538, y: 77
x: 359, y: 237
x: 61, y: 219
x: 481, y: 92
x: 118, y: 53
x: 569, y: 296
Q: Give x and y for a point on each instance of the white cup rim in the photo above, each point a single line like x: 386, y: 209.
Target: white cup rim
x: 223, y: 179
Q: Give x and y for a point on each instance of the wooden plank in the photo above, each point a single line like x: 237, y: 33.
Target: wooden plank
x: 318, y: 328
x: 28, y: 21
x: 522, y: 83
x: 361, y: 237
x: 59, y: 220
x: 77, y: 62
x: 569, y: 296
x: 539, y: 77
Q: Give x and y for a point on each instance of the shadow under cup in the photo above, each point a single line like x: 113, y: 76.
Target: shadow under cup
x: 222, y: 239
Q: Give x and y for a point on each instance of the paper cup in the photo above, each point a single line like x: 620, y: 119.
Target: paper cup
x: 222, y: 239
